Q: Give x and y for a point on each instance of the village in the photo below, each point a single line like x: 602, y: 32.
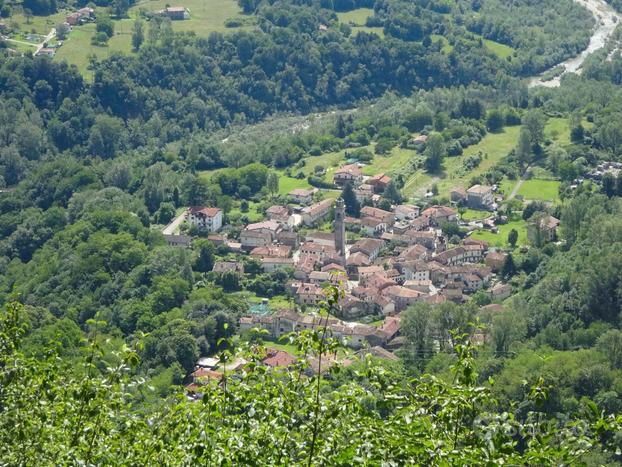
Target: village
x: 381, y: 262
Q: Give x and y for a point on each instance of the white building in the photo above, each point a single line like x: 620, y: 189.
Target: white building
x: 209, y: 219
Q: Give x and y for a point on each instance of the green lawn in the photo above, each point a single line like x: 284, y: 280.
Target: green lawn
x: 495, y: 145
x: 39, y: 24
x: 395, y: 161
x: 77, y: 47
x: 543, y: 190
x: 474, y: 215
x: 501, y: 239
x: 206, y: 16
x: 500, y: 50
x: 356, y: 17
x: 287, y: 184
x: 506, y: 186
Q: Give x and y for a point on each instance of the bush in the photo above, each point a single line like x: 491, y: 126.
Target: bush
x: 100, y: 39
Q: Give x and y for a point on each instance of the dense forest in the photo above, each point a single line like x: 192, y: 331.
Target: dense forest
x: 102, y: 321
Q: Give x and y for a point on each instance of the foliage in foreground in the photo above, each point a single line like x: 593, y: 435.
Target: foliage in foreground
x: 50, y: 415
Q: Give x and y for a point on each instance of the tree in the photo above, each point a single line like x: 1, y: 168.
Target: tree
x: 204, y: 261
x: 138, y: 35
x: 506, y: 329
x: 392, y: 193
x: 610, y: 345
x: 352, y: 205
x: 62, y: 31
x: 513, y: 237
x: 609, y: 185
x: 434, y: 152
x: 509, y: 268
x: 120, y: 7
x: 495, y: 120
x: 272, y: 183
x: 534, y: 121
x: 524, y: 150
x: 104, y: 24
x: 619, y: 184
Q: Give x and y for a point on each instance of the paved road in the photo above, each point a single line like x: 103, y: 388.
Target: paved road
x: 174, y: 226
x: 607, y: 20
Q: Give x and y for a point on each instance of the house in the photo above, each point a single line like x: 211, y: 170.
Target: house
x: 425, y: 238
x: 321, y: 238
x: 176, y: 13
x: 302, y: 195
x: 178, y: 240
x: 46, y: 51
x: 458, y: 194
x: 275, y: 251
x: 272, y: 263
x: 309, y: 294
x: 495, y: 260
x: 317, y: 212
x: 480, y: 197
x: 287, y: 237
x: 373, y: 227
x: 414, y: 252
x: 378, y: 282
x: 227, y: 266
x: 278, y: 358
x: 304, y: 267
x: 348, y: 173
x: 474, y: 253
x: 317, y: 250
x: 363, y: 192
x: 419, y: 141
x: 205, y: 218
x: 542, y: 229
x: 278, y: 213
x: 500, y: 291
x: 413, y: 270
x: 422, y: 286
x: 334, y: 268
x: 403, y: 297
x: 352, y: 307
x: 259, y: 234
x: 354, y: 261
x: 379, y: 182
x: 437, y: 215
x: 404, y: 212
x: 370, y: 247
x: 367, y: 271
x: 380, y: 214
x: 323, y: 277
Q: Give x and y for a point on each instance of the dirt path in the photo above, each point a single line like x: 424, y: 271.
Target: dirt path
x: 174, y: 226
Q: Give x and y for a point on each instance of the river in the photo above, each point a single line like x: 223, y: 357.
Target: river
x: 606, y: 21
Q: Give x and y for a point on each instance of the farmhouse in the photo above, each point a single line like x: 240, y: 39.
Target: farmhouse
x: 206, y: 218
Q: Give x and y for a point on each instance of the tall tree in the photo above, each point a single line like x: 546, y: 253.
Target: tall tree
x: 513, y: 237
x: 609, y: 185
x: 353, y: 207
x: 138, y: 35
x: 272, y: 183
x: 204, y: 261
x: 434, y: 152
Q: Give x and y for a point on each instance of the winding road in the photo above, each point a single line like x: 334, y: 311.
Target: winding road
x: 606, y: 21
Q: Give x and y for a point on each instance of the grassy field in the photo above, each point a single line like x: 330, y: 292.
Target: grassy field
x: 501, y: 239
x: 543, y: 190
x: 395, y: 161
x: 357, y: 20
x: 500, y: 50
x: 206, y: 16
x: 356, y: 17
x: 495, y: 145
x: 77, y: 48
x: 287, y: 184
x: 39, y: 24
x: 474, y: 215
